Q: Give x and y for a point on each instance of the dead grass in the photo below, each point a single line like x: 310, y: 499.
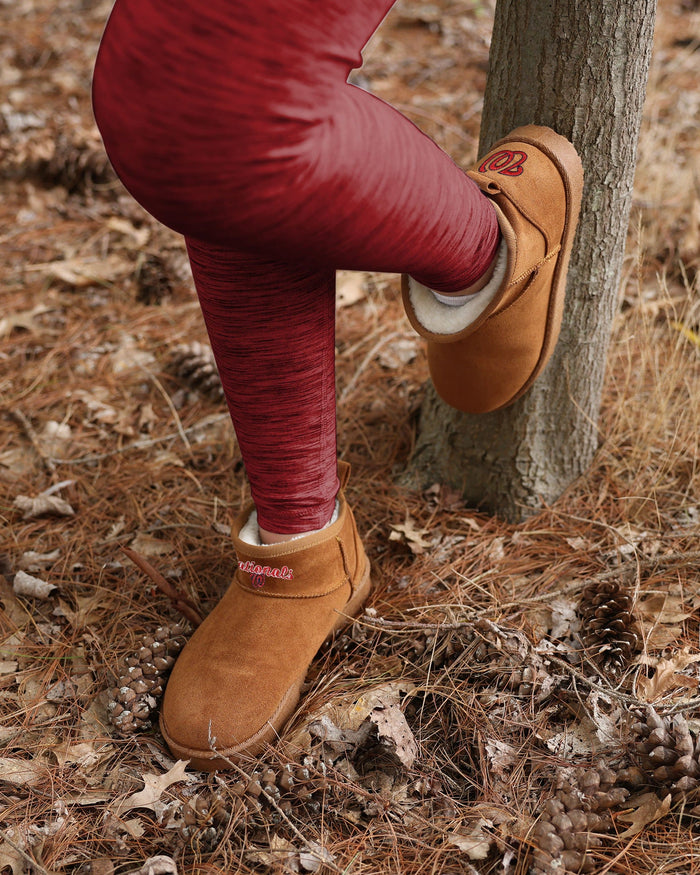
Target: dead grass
x: 463, y: 603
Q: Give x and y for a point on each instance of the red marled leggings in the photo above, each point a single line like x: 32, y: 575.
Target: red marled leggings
x: 232, y: 122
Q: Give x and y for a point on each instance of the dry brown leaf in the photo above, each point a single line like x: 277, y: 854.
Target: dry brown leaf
x: 22, y: 773
x: 393, y: 728
x: 350, y: 287
x: 410, y: 534
x: 41, y: 505
x: 24, y: 319
x: 8, y: 666
x: 139, y: 236
x: 662, y: 608
x: 160, y: 865
x: 667, y: 676
x: 32, y: 587
x: 153, y: 787
x: 399, y: 352
x: 32, y: 561
x: 147, y: 545
x: 80, y: 272
x: 54, y: 438
x: 382, y: 696
x: 502, y: 756
x: 646, y: 808
x: 476, y: 844
x: 314, y: 857
x: 84, y: 753
x: 11, y: 858
x: 101, y: 866
x: 281, y: 856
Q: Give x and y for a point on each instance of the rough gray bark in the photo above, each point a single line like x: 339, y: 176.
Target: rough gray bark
x: 582, y: 69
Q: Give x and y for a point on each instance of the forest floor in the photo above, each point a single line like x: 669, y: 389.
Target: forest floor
x: 516, y: 697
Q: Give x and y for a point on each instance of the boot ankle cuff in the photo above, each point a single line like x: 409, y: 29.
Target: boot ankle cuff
x: 250, y: 532
x: 450, y: 318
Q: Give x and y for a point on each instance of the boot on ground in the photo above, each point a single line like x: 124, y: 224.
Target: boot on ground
x: 239, y: 677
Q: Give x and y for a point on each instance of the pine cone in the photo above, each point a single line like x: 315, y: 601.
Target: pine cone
x: 572, y: 820
x: 246, y: 800
x: 153, y: 280
x: 609, y: 632
x: 669, y: 754
x: 205, y: 817
x: 195, y: 363
x: 142, y: 679
x: 78, y: 163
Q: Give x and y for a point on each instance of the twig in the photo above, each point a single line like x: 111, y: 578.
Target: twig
x: 365, y: 361
x: 35, y: 867
x: 309, y: 847
x: 144, y: 444
x: 180, y: 602
x: 33, y: 437
x: 176, y: 416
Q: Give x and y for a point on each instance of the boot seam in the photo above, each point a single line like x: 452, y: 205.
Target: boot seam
x: 284, y: 595
x: 553, y: 254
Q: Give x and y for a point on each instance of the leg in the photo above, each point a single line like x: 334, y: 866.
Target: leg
x: 246, y: 134
x: 260, y: 145
x: 272, y: 329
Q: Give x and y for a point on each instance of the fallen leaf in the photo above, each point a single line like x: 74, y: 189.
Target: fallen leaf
x: 577, y: 543
x: 398, y: 353
x: 42, y: 504
x: 382, y: 696
x: 32, y: 587
x: 350, y: 287
x: 101, y: 866
x: 139, y: 236
x: 147, y: 545
x: 10, y: 858
x: 153, y: 787
x: 160, y: 865
x: 81, y: 272
x: 411, y: 535
x: 496, y: 550
x: 564, y: 618
x: 55, y: 437
x: 22, y: 773
x: 314, y: 857
x: 647, y: 808
x: 476, y: 844
x: 24, y: 319
x: 8, y: 666
x: 668, y: 676
x: 502, y: 756
x: 662, y: 608
x: 580, y: 739
x: 82, y: 754
x: 33, y: 561
x: 282, y: 854
x: 133, y: 827
x: 607, y: 716
x: 393, y: 730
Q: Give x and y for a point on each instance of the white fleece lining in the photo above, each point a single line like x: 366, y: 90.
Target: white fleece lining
x: 250, y: 533
x: 439, y: 318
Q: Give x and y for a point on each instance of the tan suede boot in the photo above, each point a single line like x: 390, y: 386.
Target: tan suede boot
x: 238, y: 679
x: 488, y: 351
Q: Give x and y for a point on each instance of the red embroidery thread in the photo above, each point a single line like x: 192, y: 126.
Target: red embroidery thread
x: 509, y: 162
x: 260, y: 573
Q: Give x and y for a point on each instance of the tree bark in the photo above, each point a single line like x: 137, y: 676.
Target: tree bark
x: 582, y: 69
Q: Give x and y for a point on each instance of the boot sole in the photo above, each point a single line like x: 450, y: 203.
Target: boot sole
x: 208, y: 761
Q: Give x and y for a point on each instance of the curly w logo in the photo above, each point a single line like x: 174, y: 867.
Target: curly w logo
x: 509, y: 162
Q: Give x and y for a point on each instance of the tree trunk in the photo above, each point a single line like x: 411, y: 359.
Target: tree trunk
x: 580, y: 68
